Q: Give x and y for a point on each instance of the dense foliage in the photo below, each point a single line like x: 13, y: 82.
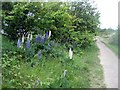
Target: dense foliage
x: 48, y: 71
x: 71, y: 23
x: 40, y: 59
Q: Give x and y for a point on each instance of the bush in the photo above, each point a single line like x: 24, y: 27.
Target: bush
x: 66, y: 26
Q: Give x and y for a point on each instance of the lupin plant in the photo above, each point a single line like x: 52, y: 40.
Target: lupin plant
x: 46, y: 36
x: 37, y: 39
x: 28, y: 39
x: 19, y: 43
x: 70, y: 53
x: 30, y: 36
x: 42, y: 40
x: 23, y: 38
x: 28, y: 43
x: 39, y: 52
x: 65, y: 73
x: 49, y: 34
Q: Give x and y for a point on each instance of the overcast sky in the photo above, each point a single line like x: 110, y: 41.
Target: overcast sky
x: 109, y: 13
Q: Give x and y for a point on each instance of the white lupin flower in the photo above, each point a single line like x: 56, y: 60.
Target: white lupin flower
x: 43, y: 36
x: 28, y: 36
x: 19, y: 43
x: 65, y: 72
x: 49, y: 34
x: 38, y: 82
x: 31, y: 36
x: 23, y: 39
x: 70, y: 53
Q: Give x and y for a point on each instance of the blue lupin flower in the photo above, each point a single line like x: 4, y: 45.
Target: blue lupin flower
x: 19, y: 43
x: 39, y: 55
x: 28, y: 43
x: 46, y: 35
x: 42, y: 40
x: 37, y: 39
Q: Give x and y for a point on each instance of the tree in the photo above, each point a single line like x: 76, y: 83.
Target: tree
x: 71, y: 23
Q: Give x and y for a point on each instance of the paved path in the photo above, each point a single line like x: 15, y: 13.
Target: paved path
x: 109, y: 61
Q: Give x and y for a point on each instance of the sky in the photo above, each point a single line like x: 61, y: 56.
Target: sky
x: 109, y: 13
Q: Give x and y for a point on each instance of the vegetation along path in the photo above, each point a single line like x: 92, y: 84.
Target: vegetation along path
x: 109, y: 62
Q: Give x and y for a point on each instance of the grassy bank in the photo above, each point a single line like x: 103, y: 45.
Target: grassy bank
x: 0, y: 62
x: 111, y: 43
x: 114, y: 48
x: 83, y: 71
x: 95, y: 69
x: 110, y: 39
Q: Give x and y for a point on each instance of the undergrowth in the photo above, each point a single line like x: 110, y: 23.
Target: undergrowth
x: 48, y: 72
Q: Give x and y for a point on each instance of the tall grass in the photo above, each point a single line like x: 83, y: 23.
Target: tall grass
x: 84, y: 71
x: 110, y: 38
x: 112, y: 42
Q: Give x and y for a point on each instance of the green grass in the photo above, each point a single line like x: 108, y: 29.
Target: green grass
x: 84, y: 71
x: 96, y: 70
x: 114, y: 48
x: 0, y: 61
x: 111, y: 43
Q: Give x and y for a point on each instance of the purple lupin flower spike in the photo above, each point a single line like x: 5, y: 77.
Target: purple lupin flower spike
x: 42, y: 40
x: 37, y: 39
x: 46, y: 35
x: 39, y: 55
x: 19, y: 43
x: 28, y: 43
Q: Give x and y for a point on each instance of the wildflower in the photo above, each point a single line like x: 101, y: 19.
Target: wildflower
x: 26, y: 33
x: 70, y: 53
x: 37, y: 39
x: 23, y: 39
x: 42, y: 40
x: 46, y: 36
x: 49, y: 34
x: 18, y: 33
x: 65, y: 72
x: 30, y: 36
x: 19, y: 43
x: 37, y: 82
x: 39, y: 55
x: 28, y: 43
